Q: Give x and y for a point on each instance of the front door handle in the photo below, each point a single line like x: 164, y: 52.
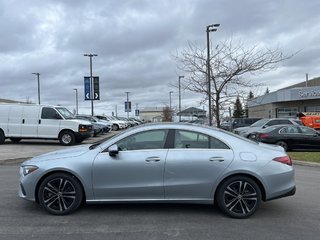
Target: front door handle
x: 216, y: 159
x: 153, y: 159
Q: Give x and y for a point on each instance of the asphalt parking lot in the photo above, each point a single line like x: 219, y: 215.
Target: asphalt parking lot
x: 296, y: 217
x: 17, y: 152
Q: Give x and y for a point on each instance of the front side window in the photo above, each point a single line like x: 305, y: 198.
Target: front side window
x: 65, y: 113
x: 49, y: 113
x: 146, y: 140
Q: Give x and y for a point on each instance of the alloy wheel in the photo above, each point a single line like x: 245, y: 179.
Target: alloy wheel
x: 239, y: 197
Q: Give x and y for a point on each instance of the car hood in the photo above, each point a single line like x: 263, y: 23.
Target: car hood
x: 60, y: 154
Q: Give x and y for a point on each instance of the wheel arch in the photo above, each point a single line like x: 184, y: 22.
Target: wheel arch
x: 54, y: 172
x: 251, y: 176
x: 65, y: 130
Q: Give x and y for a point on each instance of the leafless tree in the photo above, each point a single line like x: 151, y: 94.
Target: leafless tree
x: 167, y: 114
x: 231, y: 63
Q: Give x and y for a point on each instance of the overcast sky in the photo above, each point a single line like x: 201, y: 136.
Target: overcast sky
x: 134, y: 40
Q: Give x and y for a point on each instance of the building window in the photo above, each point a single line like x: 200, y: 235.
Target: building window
x: 312, y: 108
x: 287, y: 112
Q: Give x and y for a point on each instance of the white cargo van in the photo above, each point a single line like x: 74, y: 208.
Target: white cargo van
x: 28, y: 121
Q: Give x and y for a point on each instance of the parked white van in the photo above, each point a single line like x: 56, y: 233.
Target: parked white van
x: 28, y: 121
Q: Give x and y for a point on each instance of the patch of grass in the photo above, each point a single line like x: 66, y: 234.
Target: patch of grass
x: 305, y: 156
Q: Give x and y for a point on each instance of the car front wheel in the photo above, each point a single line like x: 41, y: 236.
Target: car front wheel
x: 60, y: 194
x: 67, y: 138
x: 238, y: 197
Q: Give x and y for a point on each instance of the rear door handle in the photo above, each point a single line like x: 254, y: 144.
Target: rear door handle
x: 216, y: 159
x: 153, y: 159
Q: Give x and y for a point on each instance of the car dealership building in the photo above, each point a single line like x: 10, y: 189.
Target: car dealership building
x: 287, y: 102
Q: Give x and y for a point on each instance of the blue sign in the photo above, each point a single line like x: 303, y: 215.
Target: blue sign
x: 87, y: 88
x: 127, y: 106
x: 137, y: 112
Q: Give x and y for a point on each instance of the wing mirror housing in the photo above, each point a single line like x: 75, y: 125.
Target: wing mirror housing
x: 113, y: 150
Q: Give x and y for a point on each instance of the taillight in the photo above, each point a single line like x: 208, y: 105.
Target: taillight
x: 285, y: 160
x: 263, y: 135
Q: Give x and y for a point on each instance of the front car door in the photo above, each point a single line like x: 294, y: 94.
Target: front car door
x: 136, y: 172
x: 49, y: 123
x: 193, y: 165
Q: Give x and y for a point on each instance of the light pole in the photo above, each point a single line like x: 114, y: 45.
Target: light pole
x: 180, y: 97
x: 210, y: 28
x: 90, y: 55
x: 38, y: 77
x: 77, y: 106
x: 170, y: 104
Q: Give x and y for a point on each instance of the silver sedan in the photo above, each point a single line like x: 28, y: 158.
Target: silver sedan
x: 180, y: 163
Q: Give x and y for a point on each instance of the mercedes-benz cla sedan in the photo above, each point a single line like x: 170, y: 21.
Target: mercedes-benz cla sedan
x: 181, y: 163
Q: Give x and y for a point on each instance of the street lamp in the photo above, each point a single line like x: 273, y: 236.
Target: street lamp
x: 170, y: 104
x: 38, y: 77
x: 180, y: 97
x: 90, y: 55
x: 210, y: 28
x: 77, y: 106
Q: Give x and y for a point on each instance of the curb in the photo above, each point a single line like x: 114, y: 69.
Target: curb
x: 308, y: 164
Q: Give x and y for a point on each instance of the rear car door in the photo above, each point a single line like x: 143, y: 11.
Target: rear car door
x: 194, y: 164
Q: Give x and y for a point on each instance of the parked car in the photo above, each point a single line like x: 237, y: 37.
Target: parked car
x: 263, y: 123
x: 290, y: 137
x: 116, y: 124
x: 238, y: 122
x: 181, y: 163
x: 104, y: 127
x: 29, y: 121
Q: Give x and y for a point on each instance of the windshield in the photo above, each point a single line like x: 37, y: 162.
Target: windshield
x: 65, y: 113
x: 259, y: 123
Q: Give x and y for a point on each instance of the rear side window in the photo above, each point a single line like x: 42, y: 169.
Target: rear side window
x: 188, y: 139
x: 49, y: 113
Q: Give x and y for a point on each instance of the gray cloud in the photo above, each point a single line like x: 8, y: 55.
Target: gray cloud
x: 134, y: 40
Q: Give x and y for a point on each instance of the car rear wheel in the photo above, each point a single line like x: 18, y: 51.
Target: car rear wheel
x: 60, y: 194
x: 67, y: 138
x: 282, y: 144
x: 238, y: 197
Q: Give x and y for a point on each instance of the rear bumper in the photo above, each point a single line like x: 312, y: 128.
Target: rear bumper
x: 286, y: 194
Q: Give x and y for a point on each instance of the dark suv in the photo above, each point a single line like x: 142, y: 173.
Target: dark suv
x: 238, y: 122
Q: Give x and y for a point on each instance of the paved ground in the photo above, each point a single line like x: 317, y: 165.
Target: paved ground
x: 17, y: 152
x: 296, y: 217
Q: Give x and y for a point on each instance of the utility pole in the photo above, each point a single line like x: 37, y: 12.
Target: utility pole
x: 210, y: 28
x: 77, y: 105
x: 180, y: 97
x: 170, y: 104
x: 90, y: 55
x: 38, y: 77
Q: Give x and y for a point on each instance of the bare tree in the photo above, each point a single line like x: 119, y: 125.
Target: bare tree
x: 230, y: 62
x: 167, y: 114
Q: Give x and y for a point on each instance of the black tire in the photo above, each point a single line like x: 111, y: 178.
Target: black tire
x: 115, y: 127
x: 67, y: 138
x: 15, y: 140
x: 282, y: 144
x: 2, y: 137
x: 238, y: 197
x: 60, y: 194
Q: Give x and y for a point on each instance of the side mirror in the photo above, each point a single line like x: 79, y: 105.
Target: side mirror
x: 113, y: 150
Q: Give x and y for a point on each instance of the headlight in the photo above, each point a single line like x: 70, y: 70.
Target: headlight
x: 25, y: 170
